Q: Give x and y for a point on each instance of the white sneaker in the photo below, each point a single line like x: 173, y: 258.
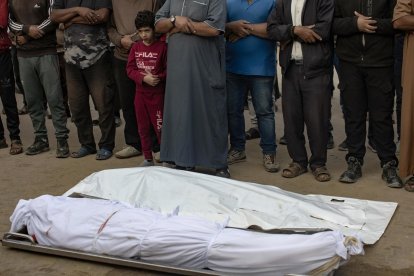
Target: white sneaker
x: 127, y: 152
x: 147, y: 163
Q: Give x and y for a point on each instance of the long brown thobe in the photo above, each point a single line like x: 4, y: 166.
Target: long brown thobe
x: 403, y: 8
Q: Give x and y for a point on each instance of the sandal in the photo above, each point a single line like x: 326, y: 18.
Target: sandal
x: 409, y: 184
x: 103, y: 154
x: 321, y: 174
x: 82, y: 152
x: 16, y: 147
x: 293, y: 170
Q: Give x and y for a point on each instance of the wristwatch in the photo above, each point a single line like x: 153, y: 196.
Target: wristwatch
x: 172, y: 20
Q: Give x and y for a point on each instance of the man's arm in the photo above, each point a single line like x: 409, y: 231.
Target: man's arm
x: 163, y: 26
x: 259, y: 30
x: 80, y: 15
x: 203, y: 29
x: 243, y: 28
x: 403, y: 18
x: 101, y: 16
x: 64, y: 15
x: 14, y: 26
x: 325, y: 16
x: 405, y: 23
x: 47, y: 25
x: 185, y: 25
x: 113, y: 34
x: 19, y: 29
x: 162, y: 23
x: 276, y: 28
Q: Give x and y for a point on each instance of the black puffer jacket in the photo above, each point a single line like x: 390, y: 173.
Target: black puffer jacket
x: 317, y: 57
x: 363, y: 49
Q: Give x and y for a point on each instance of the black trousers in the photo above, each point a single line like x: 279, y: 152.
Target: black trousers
x: 306, y: 102
x: 96, y: 81
x: 8, y: 97
x: 126, y: 90
x: 368, y: 90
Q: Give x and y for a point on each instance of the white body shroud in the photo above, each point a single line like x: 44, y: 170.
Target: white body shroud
x: 117, y: 229
x: 244, y: 204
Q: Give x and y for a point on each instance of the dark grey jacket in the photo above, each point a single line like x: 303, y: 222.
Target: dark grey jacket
x: 369, y: 50
x: 317, y: 57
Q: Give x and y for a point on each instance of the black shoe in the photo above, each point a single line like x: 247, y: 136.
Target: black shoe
x: 3, y: 144
x: 252, y: 133
x: 40, y: 145
x: 223, y: 173
x: 283, y: 140
x: 353, y: 172
x: 189, y: 169
x: 62, y: 149
x: 343, y: 146
x: 390, y: 176
x: 330, y: 144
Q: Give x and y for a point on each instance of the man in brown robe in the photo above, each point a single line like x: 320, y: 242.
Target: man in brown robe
x: 404, y: 20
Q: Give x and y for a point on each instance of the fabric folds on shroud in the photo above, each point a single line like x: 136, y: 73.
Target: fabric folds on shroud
x: 118, y: 229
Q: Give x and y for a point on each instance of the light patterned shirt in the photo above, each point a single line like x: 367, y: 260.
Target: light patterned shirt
x: 296, y: 10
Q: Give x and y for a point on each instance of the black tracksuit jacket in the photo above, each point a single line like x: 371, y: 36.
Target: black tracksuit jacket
x: 363, y: 49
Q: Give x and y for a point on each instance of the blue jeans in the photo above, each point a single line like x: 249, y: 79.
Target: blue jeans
x: 261, y: 89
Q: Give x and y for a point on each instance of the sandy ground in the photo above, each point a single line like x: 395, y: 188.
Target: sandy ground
x: 30, y: 176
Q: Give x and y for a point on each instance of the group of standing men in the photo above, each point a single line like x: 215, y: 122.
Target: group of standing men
x: 305, y: 29
x: 89, y: 65
x: 195, y: 127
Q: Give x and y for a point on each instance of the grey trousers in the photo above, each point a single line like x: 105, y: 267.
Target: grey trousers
x: 41, y: 74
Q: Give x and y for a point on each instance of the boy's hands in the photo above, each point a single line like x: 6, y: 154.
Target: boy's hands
x: 151, y: 79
